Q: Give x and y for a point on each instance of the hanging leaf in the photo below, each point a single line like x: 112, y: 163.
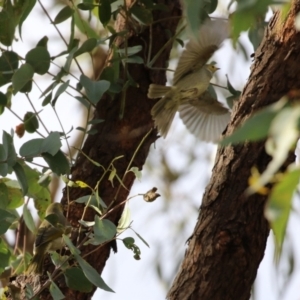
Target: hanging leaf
x: 64, y: 14
x: 26, y: 9
x: 3, y: 195
x: 55, y: 291
x: 9, y: 63
x: 104, y: 11
x: 39, y: 59
x: 21, y: 77
x: 28, y: 219
x: 7, y: 26
x: 6, y: 220
x: 87, y: 46
x: 76, y: 280
x: 58, y: 163
x: 92, y: 275
x: 104, y: 230
x: 61, y: 89
x: 19, y: 171
x: 31, y: 122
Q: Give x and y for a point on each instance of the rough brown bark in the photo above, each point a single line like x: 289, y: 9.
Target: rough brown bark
x: 230, y: 236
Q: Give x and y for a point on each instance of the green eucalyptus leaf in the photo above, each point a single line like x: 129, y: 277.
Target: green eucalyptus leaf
x: 76, y: 280
x: 9, y: 148
x: 26, y: 9
x: 256, y: 127
x: 87, y: 46
x: 43, y: 42
x: 7, y: 27
x: 31, y: 148
x: 15, y: 196
x: 58, y: 163
x: 64, y: 14
x: 5, y: 255
x: 39, y: 59
x: 104, y: 11
x: 61, y: 89
x: 28, y: 219
x: 104, y: 230
x: 21, y: 176
x: 72, y: 248
x: 9, y: 63
x: 47, y: 99
x: 94, y: 89
x: 3, y: 195
x: 92, y: 275
x: 52, y: 143
x: 6, y: 220
x: 31, y: 122
x: 84, y: 26
x: 56, y: 292
x: 22, y: 77
x: 86, y: 6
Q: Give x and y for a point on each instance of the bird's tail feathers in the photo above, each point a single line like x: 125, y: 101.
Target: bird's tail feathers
x: 36, y: 265
x: 163, y: 113
x: 157, y: 91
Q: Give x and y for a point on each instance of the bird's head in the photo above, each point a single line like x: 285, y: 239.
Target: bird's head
x: 212, y: 68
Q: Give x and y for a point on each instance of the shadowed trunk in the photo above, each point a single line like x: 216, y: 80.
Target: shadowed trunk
x: 230, y: 236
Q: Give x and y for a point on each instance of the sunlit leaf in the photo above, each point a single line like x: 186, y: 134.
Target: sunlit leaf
x: 28, y: 219
x: 256, y: 127
x: 279, y: 204
x: 125, y: 219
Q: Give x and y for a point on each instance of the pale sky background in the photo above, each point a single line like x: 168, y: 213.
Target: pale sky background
x: 131, y: 279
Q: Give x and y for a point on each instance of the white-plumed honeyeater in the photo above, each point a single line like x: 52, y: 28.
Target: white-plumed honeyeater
x: 49, y: 237
x: 202, y: 114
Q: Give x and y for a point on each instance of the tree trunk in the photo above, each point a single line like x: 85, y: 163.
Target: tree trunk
x: 230, y: 236
x: 117, y: 137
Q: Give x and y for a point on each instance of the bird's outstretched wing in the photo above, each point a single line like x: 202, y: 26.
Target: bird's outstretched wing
x: 199, y: 50
x: 205, y: 117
